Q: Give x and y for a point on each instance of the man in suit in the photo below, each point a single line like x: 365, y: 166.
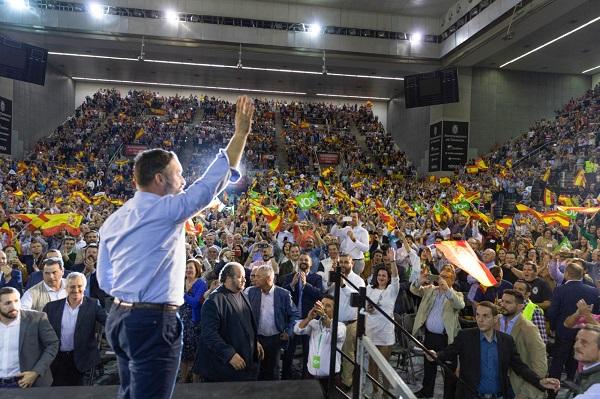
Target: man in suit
x: 228, y: 349
x: 438, y: 315
x: 74, y: 321
x: 564, y: 303
x: 290, y: 265
x: 275, y: 315
x: 31, y: 344
x: 529, y: 344
x: 486, y: 356
x: 306, y: 289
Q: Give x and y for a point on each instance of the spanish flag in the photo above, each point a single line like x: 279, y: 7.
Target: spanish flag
x: 82, y: 196
x: 139, y: 133
x: 7, y: 230
x: 445, y: 180
x: 559, y: 218
x: 548, y: 197
x: 275, y: 223
x: 460, y: 254
x: 509, y: 163
x: 18, y: 193
x: 525, y: 209
x: 35, y: 221
x: 33, y: 196
x: 193, y: 229
x: 385, y: 216
x: 480, y: 163
x: 57, y: 222
x: 475, y: 214
x: 321, y: 186
x: 326, y: 172
x: 357, y: 185
x: 546, y: 175
x: 580, y: 179
x: 503, y: 224
x: 472, y: 169
x: 565, y: 200
x: 461, y: 189
x: 580, y: 209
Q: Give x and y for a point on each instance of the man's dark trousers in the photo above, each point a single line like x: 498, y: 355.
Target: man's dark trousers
x: 437, y: 342
x: 269, y: 366
x: 148, y: 347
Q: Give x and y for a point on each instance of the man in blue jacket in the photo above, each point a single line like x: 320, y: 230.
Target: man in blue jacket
x: 275, y: 315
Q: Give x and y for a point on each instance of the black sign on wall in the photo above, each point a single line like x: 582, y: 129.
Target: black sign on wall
x: 448, y: 145
x: 455, y: 145
x: 5, y: 125
x: 435, y: 147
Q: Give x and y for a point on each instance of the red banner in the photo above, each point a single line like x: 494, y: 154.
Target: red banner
x: 328, y: 158
x: 133, y: 150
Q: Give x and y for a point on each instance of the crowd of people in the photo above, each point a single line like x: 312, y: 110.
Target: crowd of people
x: 380, y: 225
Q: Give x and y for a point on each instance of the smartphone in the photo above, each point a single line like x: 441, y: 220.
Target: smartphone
x: 433, y: 278
x: 347, y: 219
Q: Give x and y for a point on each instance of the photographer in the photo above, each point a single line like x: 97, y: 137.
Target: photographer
x: 319, y: 331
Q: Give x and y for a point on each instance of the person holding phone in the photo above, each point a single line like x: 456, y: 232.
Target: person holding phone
x: 438, y: 316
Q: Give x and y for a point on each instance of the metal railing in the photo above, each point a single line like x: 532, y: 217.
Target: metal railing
x: 358, y: 300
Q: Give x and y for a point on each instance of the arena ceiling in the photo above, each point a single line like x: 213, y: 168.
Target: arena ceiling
x: 492, y: 48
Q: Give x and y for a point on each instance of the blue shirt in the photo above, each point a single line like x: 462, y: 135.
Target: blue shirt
x: 507, y: 327
x: 489, y: 381
x: 141, y: 256
x: 435, y: 319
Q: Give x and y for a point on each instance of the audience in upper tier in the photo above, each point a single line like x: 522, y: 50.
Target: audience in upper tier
x: 294, y: 218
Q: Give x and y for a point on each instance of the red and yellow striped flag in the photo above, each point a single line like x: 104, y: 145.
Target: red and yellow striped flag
x: 546, y: 175
x: 460, y: 254
x: 548, y: 197
x: 580, y: 179
x: 525, y: 209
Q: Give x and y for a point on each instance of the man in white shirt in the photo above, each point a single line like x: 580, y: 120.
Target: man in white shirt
x: 52, y: 288
x: 320, y: 339
x: 587, y: 351
x: 28, y: 344
x: 354, y: 241
x: 347, y: 314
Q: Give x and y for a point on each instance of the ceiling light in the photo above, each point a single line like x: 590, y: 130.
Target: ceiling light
x: 354, y: 97
x: 314, y: 29
x: 172, y: 16
x: 364, y: 76
x: 184, y: 86
x: 298, y: 71
x: 591, y: 69
x: 551, y: 41
x: 416, y: 38
x: 96, y: 10
x: 92, y: 56
x: 18, y: 5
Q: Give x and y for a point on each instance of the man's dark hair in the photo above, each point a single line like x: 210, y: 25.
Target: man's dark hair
x: 574, y: 270
x: 228, y: 271
x: 150, y: 162
x: 8, y: 290
x: 533, y: 266
x: 518, y: 296
x: 90, y: 246
x: 329, y: 296
x: 527, y: 285
x: 489, y: 305
x: 496, y: 271
x: 53, y: 261
x: 337, y: 245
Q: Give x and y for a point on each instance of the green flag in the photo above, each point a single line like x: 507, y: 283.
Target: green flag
x: 253, y: 194
x: 307, y: 200
x: 462, y: 205
x: 564, y: 244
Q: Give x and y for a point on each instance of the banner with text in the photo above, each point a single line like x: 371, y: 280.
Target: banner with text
x: 5, y: 125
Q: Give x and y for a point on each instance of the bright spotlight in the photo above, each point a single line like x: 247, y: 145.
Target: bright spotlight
x: 314, y: 29
x: 416, y: 38
x: 171, y: 16
x: 18, y: 5
x: 96, y: 10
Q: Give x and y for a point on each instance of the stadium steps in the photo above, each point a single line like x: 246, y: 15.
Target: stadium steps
x: 282, y: 160
x: 186, y: 154
x: 360, y: 139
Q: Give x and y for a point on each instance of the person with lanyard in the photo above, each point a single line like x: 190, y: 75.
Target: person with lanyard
x: 141, y: 260
x: 319, y: 331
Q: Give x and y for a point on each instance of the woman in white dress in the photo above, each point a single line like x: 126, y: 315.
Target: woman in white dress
x: 383, y: 291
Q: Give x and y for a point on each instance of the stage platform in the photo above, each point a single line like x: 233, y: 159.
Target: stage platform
x: 292, y: 389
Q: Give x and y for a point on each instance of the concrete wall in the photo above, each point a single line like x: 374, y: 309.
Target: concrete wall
x: 410, y: 130
x: 83, y: 89
x: 505, y: 103
x: 38, y: 110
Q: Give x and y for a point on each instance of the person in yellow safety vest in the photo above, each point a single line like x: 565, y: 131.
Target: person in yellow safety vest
x: 531, y: 311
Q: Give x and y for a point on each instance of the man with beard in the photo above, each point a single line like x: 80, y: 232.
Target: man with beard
x: 528, y: 342
x: 29, y: 344
x: 141, y: 260
x: 306, y: 289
